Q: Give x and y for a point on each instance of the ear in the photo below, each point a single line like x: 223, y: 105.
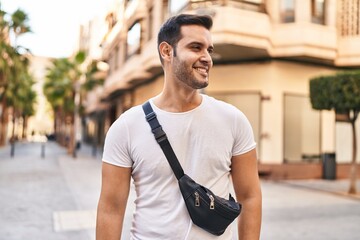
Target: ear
x: 165, y: 50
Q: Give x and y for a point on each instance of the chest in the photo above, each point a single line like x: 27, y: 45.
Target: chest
x: 203, y: 148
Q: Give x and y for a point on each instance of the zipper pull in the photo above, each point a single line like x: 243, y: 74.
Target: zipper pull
x: 212, y: 202
x: 197, y: 199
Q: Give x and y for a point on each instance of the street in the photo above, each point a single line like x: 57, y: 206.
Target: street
x: 54, y: 198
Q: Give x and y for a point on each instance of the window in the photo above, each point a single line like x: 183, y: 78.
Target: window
x: 249, y: 103
x: 287, y: 11
x: 318, y: 11
x: 301, y: 130
x: 116, y: 58
x: 344, y: 141
x: 150, y: 24
x: 133, y: 40
x: 349, y: 17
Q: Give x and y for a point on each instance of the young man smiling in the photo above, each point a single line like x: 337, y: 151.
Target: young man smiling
x: 213, y: 141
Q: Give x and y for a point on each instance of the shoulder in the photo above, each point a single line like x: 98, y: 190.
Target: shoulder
x: 221, y: 107
x: 128, y: 120
x: 226, y: 113
x: 130, y: 115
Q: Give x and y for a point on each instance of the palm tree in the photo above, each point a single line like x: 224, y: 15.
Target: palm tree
x: 60, y: 90
x: 93, y: 78
x: 5, y: 50
x: 62, y: 86
x: 13, y: 64
x: 19, y: 95
x: 19, y: 23
x: 25, y: 98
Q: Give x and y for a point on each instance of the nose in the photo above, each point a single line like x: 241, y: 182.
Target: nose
x: 206, y: 58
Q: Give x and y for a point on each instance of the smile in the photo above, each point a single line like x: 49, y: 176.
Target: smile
x: 202, y: 71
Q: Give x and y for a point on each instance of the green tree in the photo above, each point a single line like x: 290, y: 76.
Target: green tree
x: 340, y: 92
x: 66, y: 80
x: 94, y: 76
x: 19, y: 95
x: 13, y: 66
x: 59, y: 91
x: 5, y: 55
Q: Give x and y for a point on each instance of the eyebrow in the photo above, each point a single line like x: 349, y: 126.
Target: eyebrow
x: 201, y: 44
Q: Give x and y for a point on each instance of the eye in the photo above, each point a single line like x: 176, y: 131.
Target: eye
x: 210, y: 50
x: 196, y: 47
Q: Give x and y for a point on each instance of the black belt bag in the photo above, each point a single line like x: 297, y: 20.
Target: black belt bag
x: 208, y: 211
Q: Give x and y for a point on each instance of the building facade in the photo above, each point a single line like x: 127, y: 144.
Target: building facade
x: 42, y: 123
x: 266, y: 52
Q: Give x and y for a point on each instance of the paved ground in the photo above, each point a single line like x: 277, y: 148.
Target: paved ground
x: 55, y: 197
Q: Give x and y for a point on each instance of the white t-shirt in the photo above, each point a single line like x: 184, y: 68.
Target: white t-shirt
x: 204, y: 140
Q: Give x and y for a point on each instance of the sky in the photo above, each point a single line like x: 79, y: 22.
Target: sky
x: 55, y: 23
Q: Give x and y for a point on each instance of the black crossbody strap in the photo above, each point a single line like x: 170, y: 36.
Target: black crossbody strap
x: 162, y: 139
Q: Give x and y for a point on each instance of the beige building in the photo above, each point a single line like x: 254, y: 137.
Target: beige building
x: 266, y: 51
x: 42, y: 122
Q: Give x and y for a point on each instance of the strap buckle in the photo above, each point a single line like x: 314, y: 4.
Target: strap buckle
x: 159, y: 134
x: 156, y: 128
x: 150, y: 116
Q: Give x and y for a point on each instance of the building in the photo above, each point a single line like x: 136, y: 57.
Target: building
x: 266, y: 51
x: 42, y: 123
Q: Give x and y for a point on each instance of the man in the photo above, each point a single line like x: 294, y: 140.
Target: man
x: 212, y: 140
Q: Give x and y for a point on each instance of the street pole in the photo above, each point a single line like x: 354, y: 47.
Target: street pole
x: 43, y: 149
x: 76, y: 116
x: 12, y: 148
x: 95, y: 136
x: 77, y: 123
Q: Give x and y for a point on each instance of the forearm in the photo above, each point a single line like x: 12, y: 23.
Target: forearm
x: 109, y: 224
x: 249, y: 222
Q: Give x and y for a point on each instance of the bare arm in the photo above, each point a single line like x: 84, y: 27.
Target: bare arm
x: 112, y: 203
x: 246, y: 182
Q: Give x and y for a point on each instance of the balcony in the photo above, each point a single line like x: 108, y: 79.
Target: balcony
x: 349, y: 51
x: 241, y: 35
x: 242, y: 31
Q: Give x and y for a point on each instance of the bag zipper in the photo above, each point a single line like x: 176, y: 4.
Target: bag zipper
x: 212, y: 201
x: 211, y: 197
x: 203, y: 195
x: 197, y: 199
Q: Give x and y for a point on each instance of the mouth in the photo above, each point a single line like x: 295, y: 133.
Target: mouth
x: 202, y: 71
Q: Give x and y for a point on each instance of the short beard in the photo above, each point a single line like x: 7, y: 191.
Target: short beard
x: 188, y: 78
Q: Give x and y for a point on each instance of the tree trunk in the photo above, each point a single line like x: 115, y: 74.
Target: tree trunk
x: 13, y: 125
x: 61, y: 136
x: 71, y: 146
x: 3, y: 124
x: 25, y: 120
x: 353, y: 169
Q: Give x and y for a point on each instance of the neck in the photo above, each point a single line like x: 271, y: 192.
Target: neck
x: 178, y: 101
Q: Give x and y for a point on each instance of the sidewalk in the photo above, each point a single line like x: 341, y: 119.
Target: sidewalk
x: 337, y: 187
x: 51, y: 197
x: 55, y: 198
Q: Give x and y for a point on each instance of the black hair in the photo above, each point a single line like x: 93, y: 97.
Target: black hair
x: 170, y: 30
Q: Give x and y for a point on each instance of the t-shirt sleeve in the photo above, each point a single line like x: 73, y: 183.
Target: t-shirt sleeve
x: 244, y: 136
x: 116, y: 146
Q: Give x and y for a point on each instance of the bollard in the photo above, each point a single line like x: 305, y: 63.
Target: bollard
x: 93, y: 150
x: 43, y: 150
x: 12, y: 149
